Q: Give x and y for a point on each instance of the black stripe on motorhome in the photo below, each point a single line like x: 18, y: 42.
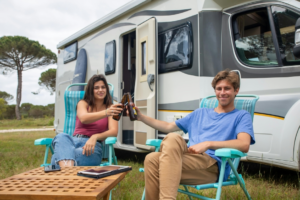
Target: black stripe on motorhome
x: 117, y: 25
x: 158, y: 13
x: 210, y: 42
x: 184, y: 106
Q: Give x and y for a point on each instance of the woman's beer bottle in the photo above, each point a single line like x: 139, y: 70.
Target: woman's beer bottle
x: 124, y: 99
x: 131, y: 109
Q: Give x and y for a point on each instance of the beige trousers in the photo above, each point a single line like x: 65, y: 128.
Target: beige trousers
x: 164, y: 170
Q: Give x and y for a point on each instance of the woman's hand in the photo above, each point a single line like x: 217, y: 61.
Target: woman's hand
x: 89, y: 147
x: 114, y: 109
x: 138, y: 112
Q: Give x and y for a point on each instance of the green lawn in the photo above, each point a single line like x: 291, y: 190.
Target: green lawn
x: 26, y: 123
x: 18, y: 154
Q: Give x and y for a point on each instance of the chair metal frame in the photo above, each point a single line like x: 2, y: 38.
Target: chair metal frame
x: 232, y: 156
x: 107, y: 145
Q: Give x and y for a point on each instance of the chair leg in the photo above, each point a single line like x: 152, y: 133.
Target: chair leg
x: 221, y: 177
x: 186, y: 189
x: 51, y: 148
x: 114, y: 158
x: 143, y: 197
x: 110, y: 154
x: 110, y: 195
x: 239, y: 180
x: 46, y: 156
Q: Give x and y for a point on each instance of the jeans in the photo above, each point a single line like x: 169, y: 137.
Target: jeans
x: 70, y: 148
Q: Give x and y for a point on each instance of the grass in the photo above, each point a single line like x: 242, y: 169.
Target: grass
x: 18, y: 154
x: 26, y: 123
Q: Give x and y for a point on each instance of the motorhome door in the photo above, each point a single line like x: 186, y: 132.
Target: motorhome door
x: 146, y: 76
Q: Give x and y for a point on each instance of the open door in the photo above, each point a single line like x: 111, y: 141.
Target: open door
x: 146, y: 77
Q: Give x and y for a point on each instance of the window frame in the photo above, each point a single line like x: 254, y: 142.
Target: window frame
x: 190, y: 49
x: 284, y: 62
x: 272, y: 28
x: 143, y: 77
x: 76, y: 52
x: 114, y: 58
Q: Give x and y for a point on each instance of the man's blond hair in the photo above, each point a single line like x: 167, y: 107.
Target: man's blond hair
x: 228, y: 75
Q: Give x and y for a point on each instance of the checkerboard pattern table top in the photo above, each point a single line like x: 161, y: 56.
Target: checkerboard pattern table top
x: 59, y: 185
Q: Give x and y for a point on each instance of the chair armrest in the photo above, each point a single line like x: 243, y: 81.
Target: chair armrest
x: 229, y: 153
x: 43, y: 141
x: 153, y: 142
x: 110, y: 140
x: 141, y: 170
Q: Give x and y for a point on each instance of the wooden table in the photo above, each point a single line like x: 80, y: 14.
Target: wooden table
x: 60, y: 185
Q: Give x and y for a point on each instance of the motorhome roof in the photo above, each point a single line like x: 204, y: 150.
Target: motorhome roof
x: 102, y: 21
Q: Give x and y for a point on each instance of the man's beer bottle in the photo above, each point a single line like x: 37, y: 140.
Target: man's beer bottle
x: 131, y: 109
x: 124, y: 99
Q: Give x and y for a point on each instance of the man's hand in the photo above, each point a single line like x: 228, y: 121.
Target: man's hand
x: 199, y: 148
x: 138, y: 112
x: 89, y: 147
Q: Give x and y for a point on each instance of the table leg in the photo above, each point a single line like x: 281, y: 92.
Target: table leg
x: 106, y: 196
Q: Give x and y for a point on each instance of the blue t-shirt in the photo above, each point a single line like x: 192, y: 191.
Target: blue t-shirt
x: 204, y: 124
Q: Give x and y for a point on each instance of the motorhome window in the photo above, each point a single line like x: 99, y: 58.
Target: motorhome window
x: 70, y: 53
x: 143, y: 58
x: 175, y: 48
x: 285, y: 21
x: 253, y: 39
x: 110, y: 57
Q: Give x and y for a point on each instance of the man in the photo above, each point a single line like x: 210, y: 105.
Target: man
x: 209, y: 129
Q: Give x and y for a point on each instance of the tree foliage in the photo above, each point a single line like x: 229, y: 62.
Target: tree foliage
x: 48, y: 80
x: 21, y: 54
x: 27, y: 110
x: 10, y: 112
x: 38, y: 111
x: 25, y: 107
x: 7, y: 97
x: 2, y: 107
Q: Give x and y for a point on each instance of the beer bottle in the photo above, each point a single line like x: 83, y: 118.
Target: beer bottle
x: 131, y: 109
x: 118, y: 116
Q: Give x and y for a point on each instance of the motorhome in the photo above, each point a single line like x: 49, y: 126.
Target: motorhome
x: 166, y: 53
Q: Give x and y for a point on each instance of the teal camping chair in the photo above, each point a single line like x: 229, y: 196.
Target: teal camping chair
x: 71, y: 99
x: 232, y: 156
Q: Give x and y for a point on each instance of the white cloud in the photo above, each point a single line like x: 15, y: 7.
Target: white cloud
x: 48, y: 22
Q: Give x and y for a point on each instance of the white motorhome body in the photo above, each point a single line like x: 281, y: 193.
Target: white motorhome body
x: 167, y: 52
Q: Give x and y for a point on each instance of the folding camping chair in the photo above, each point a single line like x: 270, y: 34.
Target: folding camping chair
x: 71, y: 99
x: 232, y: 156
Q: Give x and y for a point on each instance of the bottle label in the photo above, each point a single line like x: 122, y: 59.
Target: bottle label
x: 134, y: 111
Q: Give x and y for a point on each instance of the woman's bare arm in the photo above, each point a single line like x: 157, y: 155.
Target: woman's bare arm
x: 86, y: 118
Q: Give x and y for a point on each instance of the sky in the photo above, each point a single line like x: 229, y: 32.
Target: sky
x: 48, y: 22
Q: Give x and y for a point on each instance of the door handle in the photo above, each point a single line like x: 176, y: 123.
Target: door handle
x: 150, y: 80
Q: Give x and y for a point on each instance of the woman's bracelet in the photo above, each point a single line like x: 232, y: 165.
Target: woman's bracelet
x: 106, y: 112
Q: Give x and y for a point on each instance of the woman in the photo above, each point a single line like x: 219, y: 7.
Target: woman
x: 94, y: 123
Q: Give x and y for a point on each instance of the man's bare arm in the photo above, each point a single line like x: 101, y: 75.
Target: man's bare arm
x: 166, y: 127
x: 242, y: 143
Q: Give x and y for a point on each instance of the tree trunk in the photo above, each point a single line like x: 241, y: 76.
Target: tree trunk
x: 19, y: 95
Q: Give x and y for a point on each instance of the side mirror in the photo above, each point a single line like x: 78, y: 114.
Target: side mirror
x: 296, y: 49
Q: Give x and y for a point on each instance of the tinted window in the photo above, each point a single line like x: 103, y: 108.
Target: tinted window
x: 144, y: 58
x: 285, y: 21
x: 70, y: 52
x: 110, y: 57
x: 253, y: 39
x: 175, y: 48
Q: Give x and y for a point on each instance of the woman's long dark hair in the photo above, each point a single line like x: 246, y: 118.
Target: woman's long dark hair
x: 89, y: 91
